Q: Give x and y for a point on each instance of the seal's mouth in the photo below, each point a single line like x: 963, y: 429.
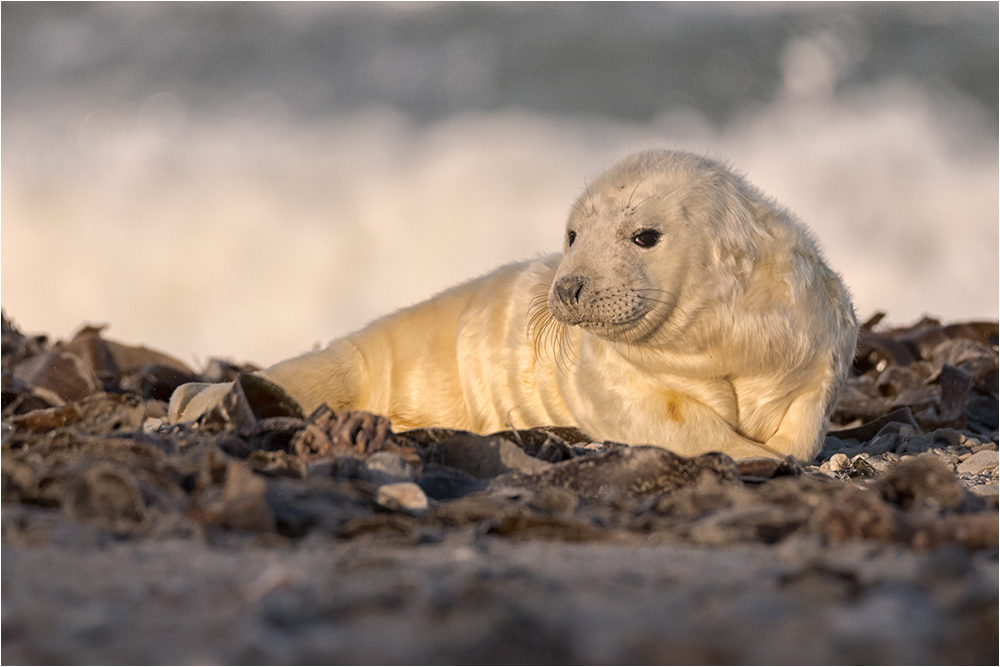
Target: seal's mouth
x: 609, y: 330
x: 613, y: 314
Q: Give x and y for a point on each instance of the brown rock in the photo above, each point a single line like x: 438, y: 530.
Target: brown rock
x: 924, y: 480
x: 97, y: 415
x: 851, y: 513
x: 104, y: 494
x: 243, y: 503
x: 61, y: 372
x: 634, y: 473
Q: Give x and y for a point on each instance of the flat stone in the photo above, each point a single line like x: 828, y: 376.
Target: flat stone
x: 985, y: 490
x: 979, y: 462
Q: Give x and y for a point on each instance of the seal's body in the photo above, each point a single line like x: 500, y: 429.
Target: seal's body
x: 687, y: 311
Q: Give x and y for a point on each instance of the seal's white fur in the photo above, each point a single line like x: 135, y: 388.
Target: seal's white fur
x: 727, y: 333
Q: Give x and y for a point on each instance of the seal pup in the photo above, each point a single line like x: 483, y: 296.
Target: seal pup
x: 687, y: 310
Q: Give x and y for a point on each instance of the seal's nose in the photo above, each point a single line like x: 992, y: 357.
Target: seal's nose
x: 569, y: 288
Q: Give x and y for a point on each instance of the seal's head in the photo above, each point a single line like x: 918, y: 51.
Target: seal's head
x: 641, y: 241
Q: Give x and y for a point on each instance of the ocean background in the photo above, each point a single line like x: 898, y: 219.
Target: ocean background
x: 253, y: 180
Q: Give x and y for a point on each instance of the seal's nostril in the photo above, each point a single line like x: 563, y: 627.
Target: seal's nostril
x: 569, y: 289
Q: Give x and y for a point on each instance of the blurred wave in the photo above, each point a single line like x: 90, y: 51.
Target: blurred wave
x: 267, y: 221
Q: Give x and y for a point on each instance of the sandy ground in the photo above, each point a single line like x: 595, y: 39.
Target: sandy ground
x: 328, y: 538
x: 479, y: 599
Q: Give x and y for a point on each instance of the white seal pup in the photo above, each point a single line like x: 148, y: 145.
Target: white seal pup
x: 687, y: 311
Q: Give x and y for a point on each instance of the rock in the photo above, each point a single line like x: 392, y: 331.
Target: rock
x: 867, y: 465
x: 947, y: 435
x: 273, y: 433
x: 980, y: 462
x: 385, y: 468
x: 17, y: 347
x: 483, y: 456
x: 446, y: 483
x: 865, y: 432
x: 548, y: 443
x: 989, y: 490
x: 858, y: 399
x: 276, y: 463
x: 958, y: 351
x: 405, y: 496
x: 553, y: 500
x: 98, y: 414
x: 835, y: 444
x: 894, y: 380
x: 913, y: 444
x: 924, y: 480
x: 882, y: 443
x: 242, y: 504
x: 761, y: 522
x: 634, y: 473
x: 104, y: 494
x: 852, y: 513
x: 981, y: 412
x: 918, y: 398
x: 974, y: 531
x: 956, y: 385
x: 155, y: 381
x: 88, y: 345
x: 250, y: 399
x: 839, y: 462
x: 757, y: 470
x: 60, y: 372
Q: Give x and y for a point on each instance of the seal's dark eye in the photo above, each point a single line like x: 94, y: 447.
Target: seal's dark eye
x: 647, y: 238
x: 570, y: 236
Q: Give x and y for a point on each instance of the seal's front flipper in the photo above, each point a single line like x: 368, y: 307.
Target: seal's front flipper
x: 238, y: 404
x: 190, y: 401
